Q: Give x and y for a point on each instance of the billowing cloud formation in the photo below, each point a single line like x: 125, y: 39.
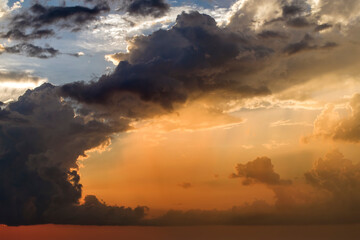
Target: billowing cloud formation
x: 259, y: 170
x: 47, y: 129
x: 257, y: 53
x: 168, y: 67
x: 340, y: 177
x: 41, y: 139
x: 329, y: 124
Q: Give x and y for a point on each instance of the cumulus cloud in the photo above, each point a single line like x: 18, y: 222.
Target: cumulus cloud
x: 341, y: 178
x: 169, y: 66
x: 41, y: 139
x: 332, y: 125
x: 254, y: 55
x: 260, y: 170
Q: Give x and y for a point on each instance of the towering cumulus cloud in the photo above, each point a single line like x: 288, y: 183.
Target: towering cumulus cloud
x: 41, y: 139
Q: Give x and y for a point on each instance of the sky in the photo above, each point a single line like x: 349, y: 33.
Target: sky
x: 172, y: 113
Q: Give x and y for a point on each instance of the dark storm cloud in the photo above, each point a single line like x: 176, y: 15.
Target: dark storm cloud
x: 155, y: 8
x: 31, y: 50
x: 41, y: 139
x: 170, y: 65
x: 47, y: 129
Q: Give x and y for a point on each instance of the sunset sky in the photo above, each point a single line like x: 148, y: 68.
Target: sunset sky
x: 155, y: 112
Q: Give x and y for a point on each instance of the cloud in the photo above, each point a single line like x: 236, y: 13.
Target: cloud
x: 41, y: 140
x: 39, y: 16
x: 31, y: 50
x: 96, y: 212
x: 5, y: 9
x: 330, y: 124
x: 339, y: 176
x: 155, y: 8
x: 15, y: 83
x: 16, y: 34
x: 44, y: 133
x: 259, y: 170
x: 305, y: 45
x: 169, y: 66
x: 330, y: 195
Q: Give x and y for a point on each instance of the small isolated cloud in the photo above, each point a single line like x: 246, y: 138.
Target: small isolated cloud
x: 260, y: 170
x: 185, y: 185
x: 31, y: 50
x: 155, y: 8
